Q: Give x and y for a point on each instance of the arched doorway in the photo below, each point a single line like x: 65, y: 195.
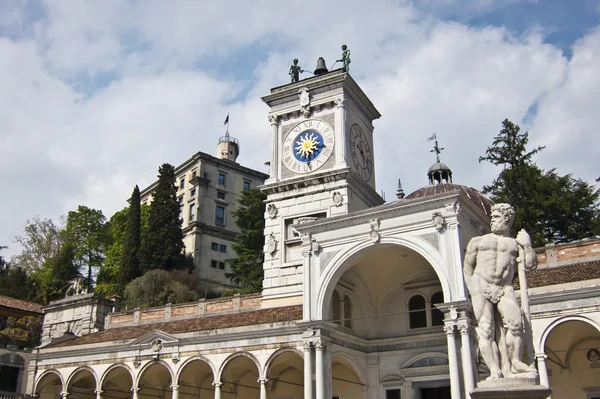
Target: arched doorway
x: 82, y: 384
x: 117, y: 383
x: 49, y: 386
x: 240, y: 378
x: 573, y: 363
x: 155, y: 382
x: 285, y: 373
x: 196, y: 380
x: 345, y: 381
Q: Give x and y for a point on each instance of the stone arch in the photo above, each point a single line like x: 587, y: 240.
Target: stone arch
x: 113, y: 367
x: 423, y: 356
x: 79, y: 370
x: 146, y: 366
x: 278, y: 352
x: 542, y: 342
x: 342, y: 261
x: 232, y: 357
x: 342, y: 385
x: 45, y: 373
x: 192, y: 359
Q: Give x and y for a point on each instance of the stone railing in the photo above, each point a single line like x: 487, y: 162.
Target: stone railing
x: 189, y: 310
x: 13, y: 395
x: 565, y: 254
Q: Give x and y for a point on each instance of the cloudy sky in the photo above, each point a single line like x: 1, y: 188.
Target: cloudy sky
x: 94, y: 95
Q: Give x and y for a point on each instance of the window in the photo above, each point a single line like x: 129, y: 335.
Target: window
x: 214, y: 246
x: 192, y: 210
x: 221, y: 195
x: 222, y: 265
x: 347, y: 312
x: 336, y: 314
x: 181, y: 207
x: 193, y: 192
x: 182, y: 183
x: 222, y: 179
x: 222, y: 248
x: 392, y: 394
x: 417, y: 315
x: 213, y: 264
x: 246, y: 186
x: 220, y: 216
x: 437, y: 316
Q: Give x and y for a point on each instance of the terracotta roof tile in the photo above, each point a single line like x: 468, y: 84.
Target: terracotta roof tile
x: 262, y: 316
x: 25, y: 306
x: 562, y: 274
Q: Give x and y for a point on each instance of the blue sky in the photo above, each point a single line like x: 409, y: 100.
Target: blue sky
x: 94, y: 95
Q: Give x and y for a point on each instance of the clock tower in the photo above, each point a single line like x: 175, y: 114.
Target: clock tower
x: 322, y: 165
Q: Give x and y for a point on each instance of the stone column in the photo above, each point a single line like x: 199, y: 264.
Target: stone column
x: 217, y: 385
x: 274, y: 148
x: 308, y: 385
x: 453, y: 362
x: 306, y: 297
x: 320, y: 369
x: 542, y: 369
x: 340, y: 133
x: 406, y: 390
x: 263, y: 388
x: 135, y: 391
x: 98, y: 393
x: 175, y: 391
x: 467, y: 359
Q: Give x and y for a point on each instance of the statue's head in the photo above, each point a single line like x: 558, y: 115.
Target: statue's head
x: 344, y: 47
x: 503, y: 216
x: 295, y: 61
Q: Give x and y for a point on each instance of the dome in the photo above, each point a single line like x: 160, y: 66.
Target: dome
x: 438, y: 166
x: 477, y: 199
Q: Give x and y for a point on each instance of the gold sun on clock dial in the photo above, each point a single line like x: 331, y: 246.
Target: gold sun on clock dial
x: 361, y: 152
x: 307, y: 146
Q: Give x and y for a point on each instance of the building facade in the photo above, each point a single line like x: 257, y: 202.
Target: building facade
x: 208, y: 190
x: 360, y: 299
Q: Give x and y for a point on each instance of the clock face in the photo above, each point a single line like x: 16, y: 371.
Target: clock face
x: 307, y: 146
x: 361, y: 152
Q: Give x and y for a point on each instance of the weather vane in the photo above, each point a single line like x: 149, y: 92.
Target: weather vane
x: 436, y: 147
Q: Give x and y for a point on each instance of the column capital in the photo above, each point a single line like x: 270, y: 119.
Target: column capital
x: 464, y: 329
x: 339, y: 102
x: 98, y: 391
x: 135, y: 389
x: 320, y: 345
x: 306, y: 346
x: 449, y: 329
x: 262, y: 380
x: 64, y: 394
x: 217, y: 384
x: 274, y: 119
x: 175, y: 387
x: 541, y: 356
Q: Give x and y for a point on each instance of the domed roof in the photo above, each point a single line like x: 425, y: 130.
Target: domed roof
x: 438, y: 166
x: 477, y: 199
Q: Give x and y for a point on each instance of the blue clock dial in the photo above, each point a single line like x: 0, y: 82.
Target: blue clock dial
x: 308, y: 145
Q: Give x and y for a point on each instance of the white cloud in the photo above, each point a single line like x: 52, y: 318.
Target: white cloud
x: 61, y: 146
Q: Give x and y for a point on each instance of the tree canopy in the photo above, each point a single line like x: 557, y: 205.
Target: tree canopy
x: 130, y: 262
x: 551, y: 207
x: 247, y: 266
x: 159, y: 287
x: 162, y: 245
x: 41, y: 241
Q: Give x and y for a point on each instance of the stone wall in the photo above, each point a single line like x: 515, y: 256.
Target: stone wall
x: 168, y: 312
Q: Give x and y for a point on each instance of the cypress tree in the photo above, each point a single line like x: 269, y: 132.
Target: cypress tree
x: 162, y: 245
x: 130, y: 262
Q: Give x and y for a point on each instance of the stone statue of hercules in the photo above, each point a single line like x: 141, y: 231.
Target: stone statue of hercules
x: 489, y: 267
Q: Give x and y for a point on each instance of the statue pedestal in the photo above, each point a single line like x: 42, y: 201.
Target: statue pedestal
x: 511, y: 388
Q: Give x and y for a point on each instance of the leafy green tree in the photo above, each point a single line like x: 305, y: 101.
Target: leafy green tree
x: 162, y: 245
x: 87, y: 231
x: 50, y: 280
x: 157, y: 288
x: 41, y: 240
x: 14, y: 281
x: 247, y: 266
x: 552, y: 208
x: 130, y: 261
x: 25, y: 332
